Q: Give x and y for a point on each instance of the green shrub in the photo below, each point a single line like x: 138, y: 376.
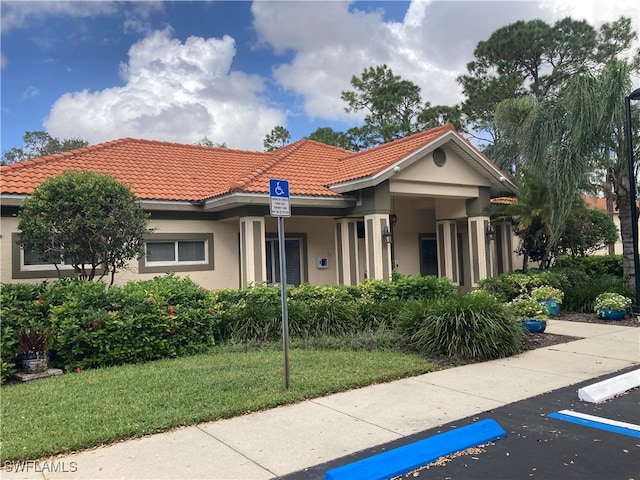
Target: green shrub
x: 581, y: 296
x: 475, y: 327
x: 507, y: 286
x: 95, y: 326
x: 594, y: 265
x: 250, y: 314
x: 410, y: 287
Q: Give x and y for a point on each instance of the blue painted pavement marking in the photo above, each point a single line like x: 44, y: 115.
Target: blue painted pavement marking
x: 414, y: 455
x: 622, y: 428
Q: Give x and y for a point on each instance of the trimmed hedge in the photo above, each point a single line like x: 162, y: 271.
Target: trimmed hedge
x: 254, y: 314
x: 95, y: 326
x: 593, y: 266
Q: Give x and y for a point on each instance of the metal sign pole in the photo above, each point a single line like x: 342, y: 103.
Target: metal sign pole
x: 283, y: 295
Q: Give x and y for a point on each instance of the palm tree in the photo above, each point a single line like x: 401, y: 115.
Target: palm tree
x: 567, y: 138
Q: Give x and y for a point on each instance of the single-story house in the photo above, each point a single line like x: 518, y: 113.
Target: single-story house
x: 417, y: 204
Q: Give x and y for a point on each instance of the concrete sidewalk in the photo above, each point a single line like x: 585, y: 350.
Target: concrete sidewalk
x: 283, y: 440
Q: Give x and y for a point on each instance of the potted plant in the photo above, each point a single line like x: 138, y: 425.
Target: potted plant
x: 33, y: 342
x: 611, y: 306
x: 550, y: 297
x: 531, y: 313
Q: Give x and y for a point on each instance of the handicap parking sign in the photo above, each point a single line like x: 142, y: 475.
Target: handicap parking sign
x: 279, y: 198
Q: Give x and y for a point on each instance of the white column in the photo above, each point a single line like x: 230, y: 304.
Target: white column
x: 348, y: 271
x: 378, y: 252
x: 253, y: 263
x: 447, y: 241
x: 479, y: 252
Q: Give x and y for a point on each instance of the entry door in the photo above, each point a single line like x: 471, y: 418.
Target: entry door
x: 293, y: 252
x: 428, y: 255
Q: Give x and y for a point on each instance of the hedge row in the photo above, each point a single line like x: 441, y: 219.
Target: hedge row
x: 95, y: 326
x: 582, y: 279
x: 169, y: 316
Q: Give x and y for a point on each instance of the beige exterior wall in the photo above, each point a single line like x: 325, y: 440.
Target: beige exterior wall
x: 455, y: 172
x: 417, y: 216
x: 225, y: 250
x: 320, y: 236
x: 8, y: 226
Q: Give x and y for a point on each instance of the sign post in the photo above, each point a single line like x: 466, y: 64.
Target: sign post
x: 280, y: 208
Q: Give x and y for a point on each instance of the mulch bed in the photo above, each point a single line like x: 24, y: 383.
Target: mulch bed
x: 541, y: 340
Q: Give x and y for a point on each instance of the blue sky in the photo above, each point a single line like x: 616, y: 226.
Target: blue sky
x: 233, y: 70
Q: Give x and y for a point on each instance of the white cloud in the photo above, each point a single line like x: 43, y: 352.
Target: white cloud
x: 30, y: 92
x: 332, y: 41
x: 3, y: 61
x: 175, y: 91
x: 17, y: 14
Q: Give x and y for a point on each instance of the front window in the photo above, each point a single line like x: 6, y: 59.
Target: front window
x: 177, y: 252
x: 31, y: 260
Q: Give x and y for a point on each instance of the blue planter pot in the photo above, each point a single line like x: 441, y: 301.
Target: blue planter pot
x: 608, y: 314
x: 34, y: 362
x: 552, y: 306
x: 534, y: 325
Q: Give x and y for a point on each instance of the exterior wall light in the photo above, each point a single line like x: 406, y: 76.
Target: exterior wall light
x: 387, y: 236
x: 490, y: 233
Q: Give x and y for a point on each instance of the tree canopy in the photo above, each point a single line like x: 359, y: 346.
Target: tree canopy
x: 393, y: 108
x: 90, y: 220
x: 277, y: 138
x: 535, y: 59
x: 38, y: 144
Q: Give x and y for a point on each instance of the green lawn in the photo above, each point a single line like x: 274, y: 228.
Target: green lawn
x: 95, y: 407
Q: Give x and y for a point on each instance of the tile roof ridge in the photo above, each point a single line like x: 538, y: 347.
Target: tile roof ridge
x: 398, y: 141
x: 276, y: 156
x: 192, y: 145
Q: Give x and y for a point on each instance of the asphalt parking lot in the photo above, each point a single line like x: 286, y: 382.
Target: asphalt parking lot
x: 536, y: 445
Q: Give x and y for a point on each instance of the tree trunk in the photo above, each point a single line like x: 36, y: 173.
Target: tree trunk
x: 611, y: 246
x: 626, y: 224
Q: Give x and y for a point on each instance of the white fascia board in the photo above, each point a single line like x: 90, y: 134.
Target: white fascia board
x: 238, y: 199
x: 12, y: 200
x: 491, y: 169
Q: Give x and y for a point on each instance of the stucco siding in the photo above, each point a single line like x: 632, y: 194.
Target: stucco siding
x: 225, y: 250
x: 320, y: 238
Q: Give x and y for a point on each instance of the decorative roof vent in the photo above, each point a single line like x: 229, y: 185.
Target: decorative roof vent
x: 439, y: 157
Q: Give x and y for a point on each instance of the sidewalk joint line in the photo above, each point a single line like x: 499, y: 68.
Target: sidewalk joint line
x: 236, y: 450
x: 400, y: 435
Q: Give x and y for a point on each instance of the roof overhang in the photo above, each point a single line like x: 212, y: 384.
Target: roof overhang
x: 236, y: 199
x: 221, y: 203
x: 500, y: 183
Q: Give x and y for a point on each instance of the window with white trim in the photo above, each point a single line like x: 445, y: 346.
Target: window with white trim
x: 176, y: 253
x: 31, y: 260
x: 179, y: 252
x: 27, y: 262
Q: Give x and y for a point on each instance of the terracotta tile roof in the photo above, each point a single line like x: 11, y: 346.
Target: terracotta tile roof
x: 171, y: 171
x: 596, y: 202
x: 304, y: 164
x: 376, y: 159
x: 504, y: 200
